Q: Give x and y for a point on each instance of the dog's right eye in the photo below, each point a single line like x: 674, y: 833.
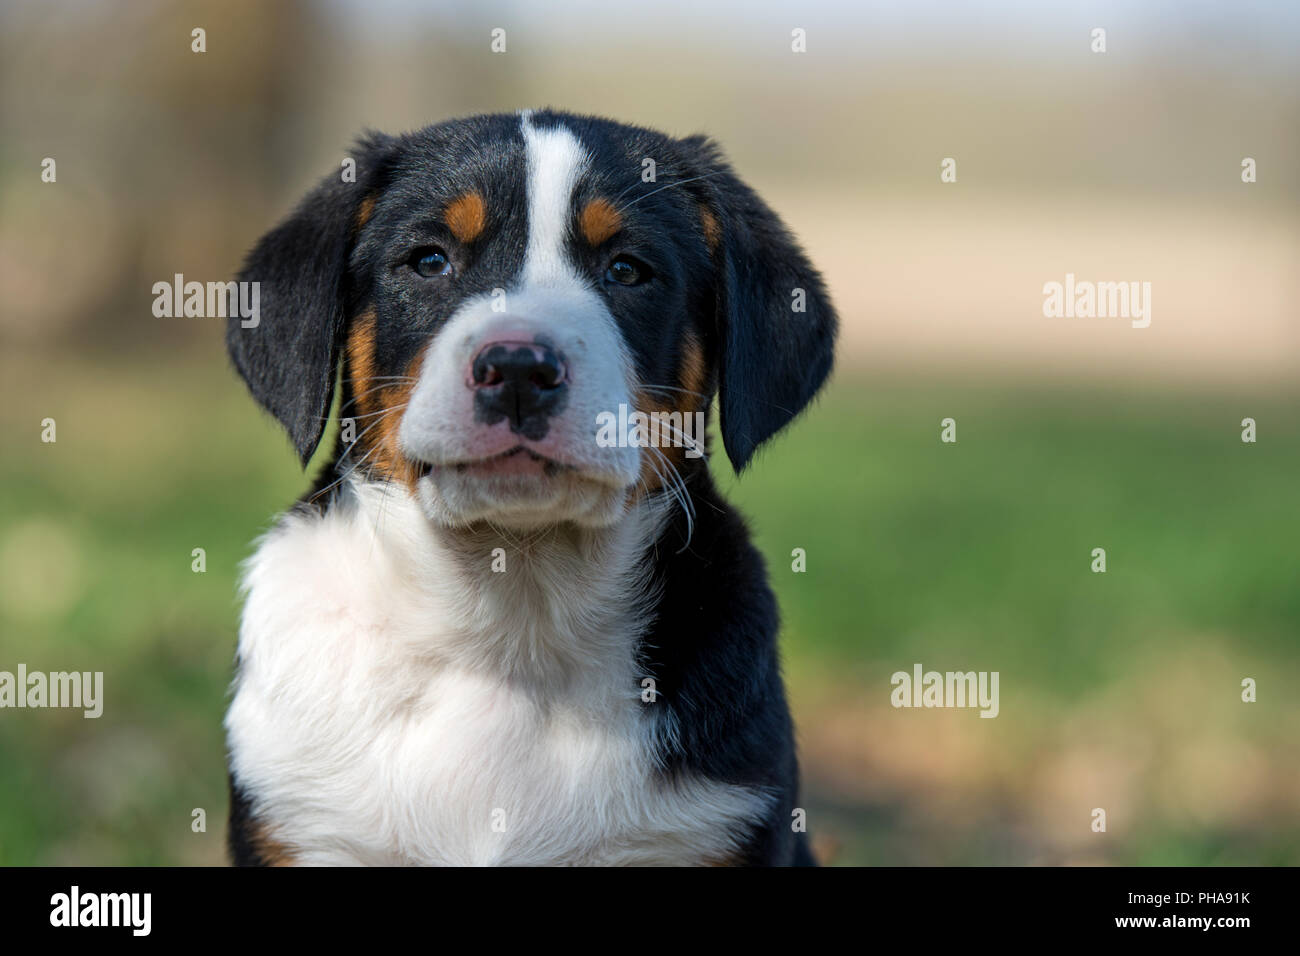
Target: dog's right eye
x: 625, y: 270
x: 430, y: 261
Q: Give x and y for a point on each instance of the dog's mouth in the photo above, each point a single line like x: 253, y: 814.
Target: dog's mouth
x: 517, y: 467
x: 516, y: 462
x: 521, y: 488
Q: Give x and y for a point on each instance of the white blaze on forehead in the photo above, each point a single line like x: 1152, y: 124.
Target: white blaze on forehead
x: 555, y: 162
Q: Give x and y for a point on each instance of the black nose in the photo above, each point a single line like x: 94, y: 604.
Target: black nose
x: 522, y: 382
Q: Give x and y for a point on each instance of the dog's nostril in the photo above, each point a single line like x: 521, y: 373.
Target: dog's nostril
x: 487, y: 374
x: 547, y: 374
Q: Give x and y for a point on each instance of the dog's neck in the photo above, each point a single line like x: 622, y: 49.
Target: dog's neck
x: 552, y: 607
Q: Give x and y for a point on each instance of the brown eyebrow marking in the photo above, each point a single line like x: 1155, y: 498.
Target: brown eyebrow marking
x: 599, y: 221
x: 365, y: 211
x: 712, y: 231
x: 466, y: 216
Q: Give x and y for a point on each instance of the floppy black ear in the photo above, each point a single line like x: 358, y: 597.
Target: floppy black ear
x: 775, y: 319
x: 288, y: 354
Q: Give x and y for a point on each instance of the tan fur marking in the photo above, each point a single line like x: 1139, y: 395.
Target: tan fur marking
x: 361, y: 358
x: 692, y: 377
x: 377, y: 410
x: 271, y: 851
x: 365, y: 211
x: 693, y: 374
x: 599, y: 220
x: 712, y: 230
x: 466, y: 217
x: 389, y: 460
x: 652, y: 465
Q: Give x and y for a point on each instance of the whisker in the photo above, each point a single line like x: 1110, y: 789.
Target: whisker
x: 355, y: 398
x: 671, y: 388
x: 680, y: 182
x: 653, y: 388
x: 679, y: 491
x: 687, y: 441
x: 344, y: 476
x: 383, y: 507
x: 662, y: 170
x: 347, y: 455
x: 382, y: 411
x: 378, y: 378
x: 501, y: 533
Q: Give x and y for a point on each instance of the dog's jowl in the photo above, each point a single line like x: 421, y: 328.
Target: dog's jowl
x: 485, y: 636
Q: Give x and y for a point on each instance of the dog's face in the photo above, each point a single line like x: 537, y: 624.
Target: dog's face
x: 497, y: 289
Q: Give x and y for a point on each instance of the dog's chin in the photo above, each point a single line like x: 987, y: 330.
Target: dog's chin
x: 517, y: 496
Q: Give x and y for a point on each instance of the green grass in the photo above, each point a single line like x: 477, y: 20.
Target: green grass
x: 987, y: 543
x: 972, y: 555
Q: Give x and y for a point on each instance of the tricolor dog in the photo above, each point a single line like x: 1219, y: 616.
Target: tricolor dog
x: 484, y: 636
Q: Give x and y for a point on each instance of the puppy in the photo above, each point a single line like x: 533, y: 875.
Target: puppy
x: 514, y: 622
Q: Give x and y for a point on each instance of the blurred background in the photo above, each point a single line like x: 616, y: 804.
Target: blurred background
x: 1118, y: 690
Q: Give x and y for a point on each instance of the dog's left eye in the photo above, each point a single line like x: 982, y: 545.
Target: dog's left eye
x: 430, y: 261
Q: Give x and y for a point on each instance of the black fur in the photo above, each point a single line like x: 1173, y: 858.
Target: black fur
x: 712, y: 652
x: 241, y: 842
x: 777, y: 348
x: 289, y: 358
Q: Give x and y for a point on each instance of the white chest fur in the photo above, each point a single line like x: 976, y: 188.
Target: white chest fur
x: 399, y: 702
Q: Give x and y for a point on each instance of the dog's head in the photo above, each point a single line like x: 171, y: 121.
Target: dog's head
x: 499, y: 288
